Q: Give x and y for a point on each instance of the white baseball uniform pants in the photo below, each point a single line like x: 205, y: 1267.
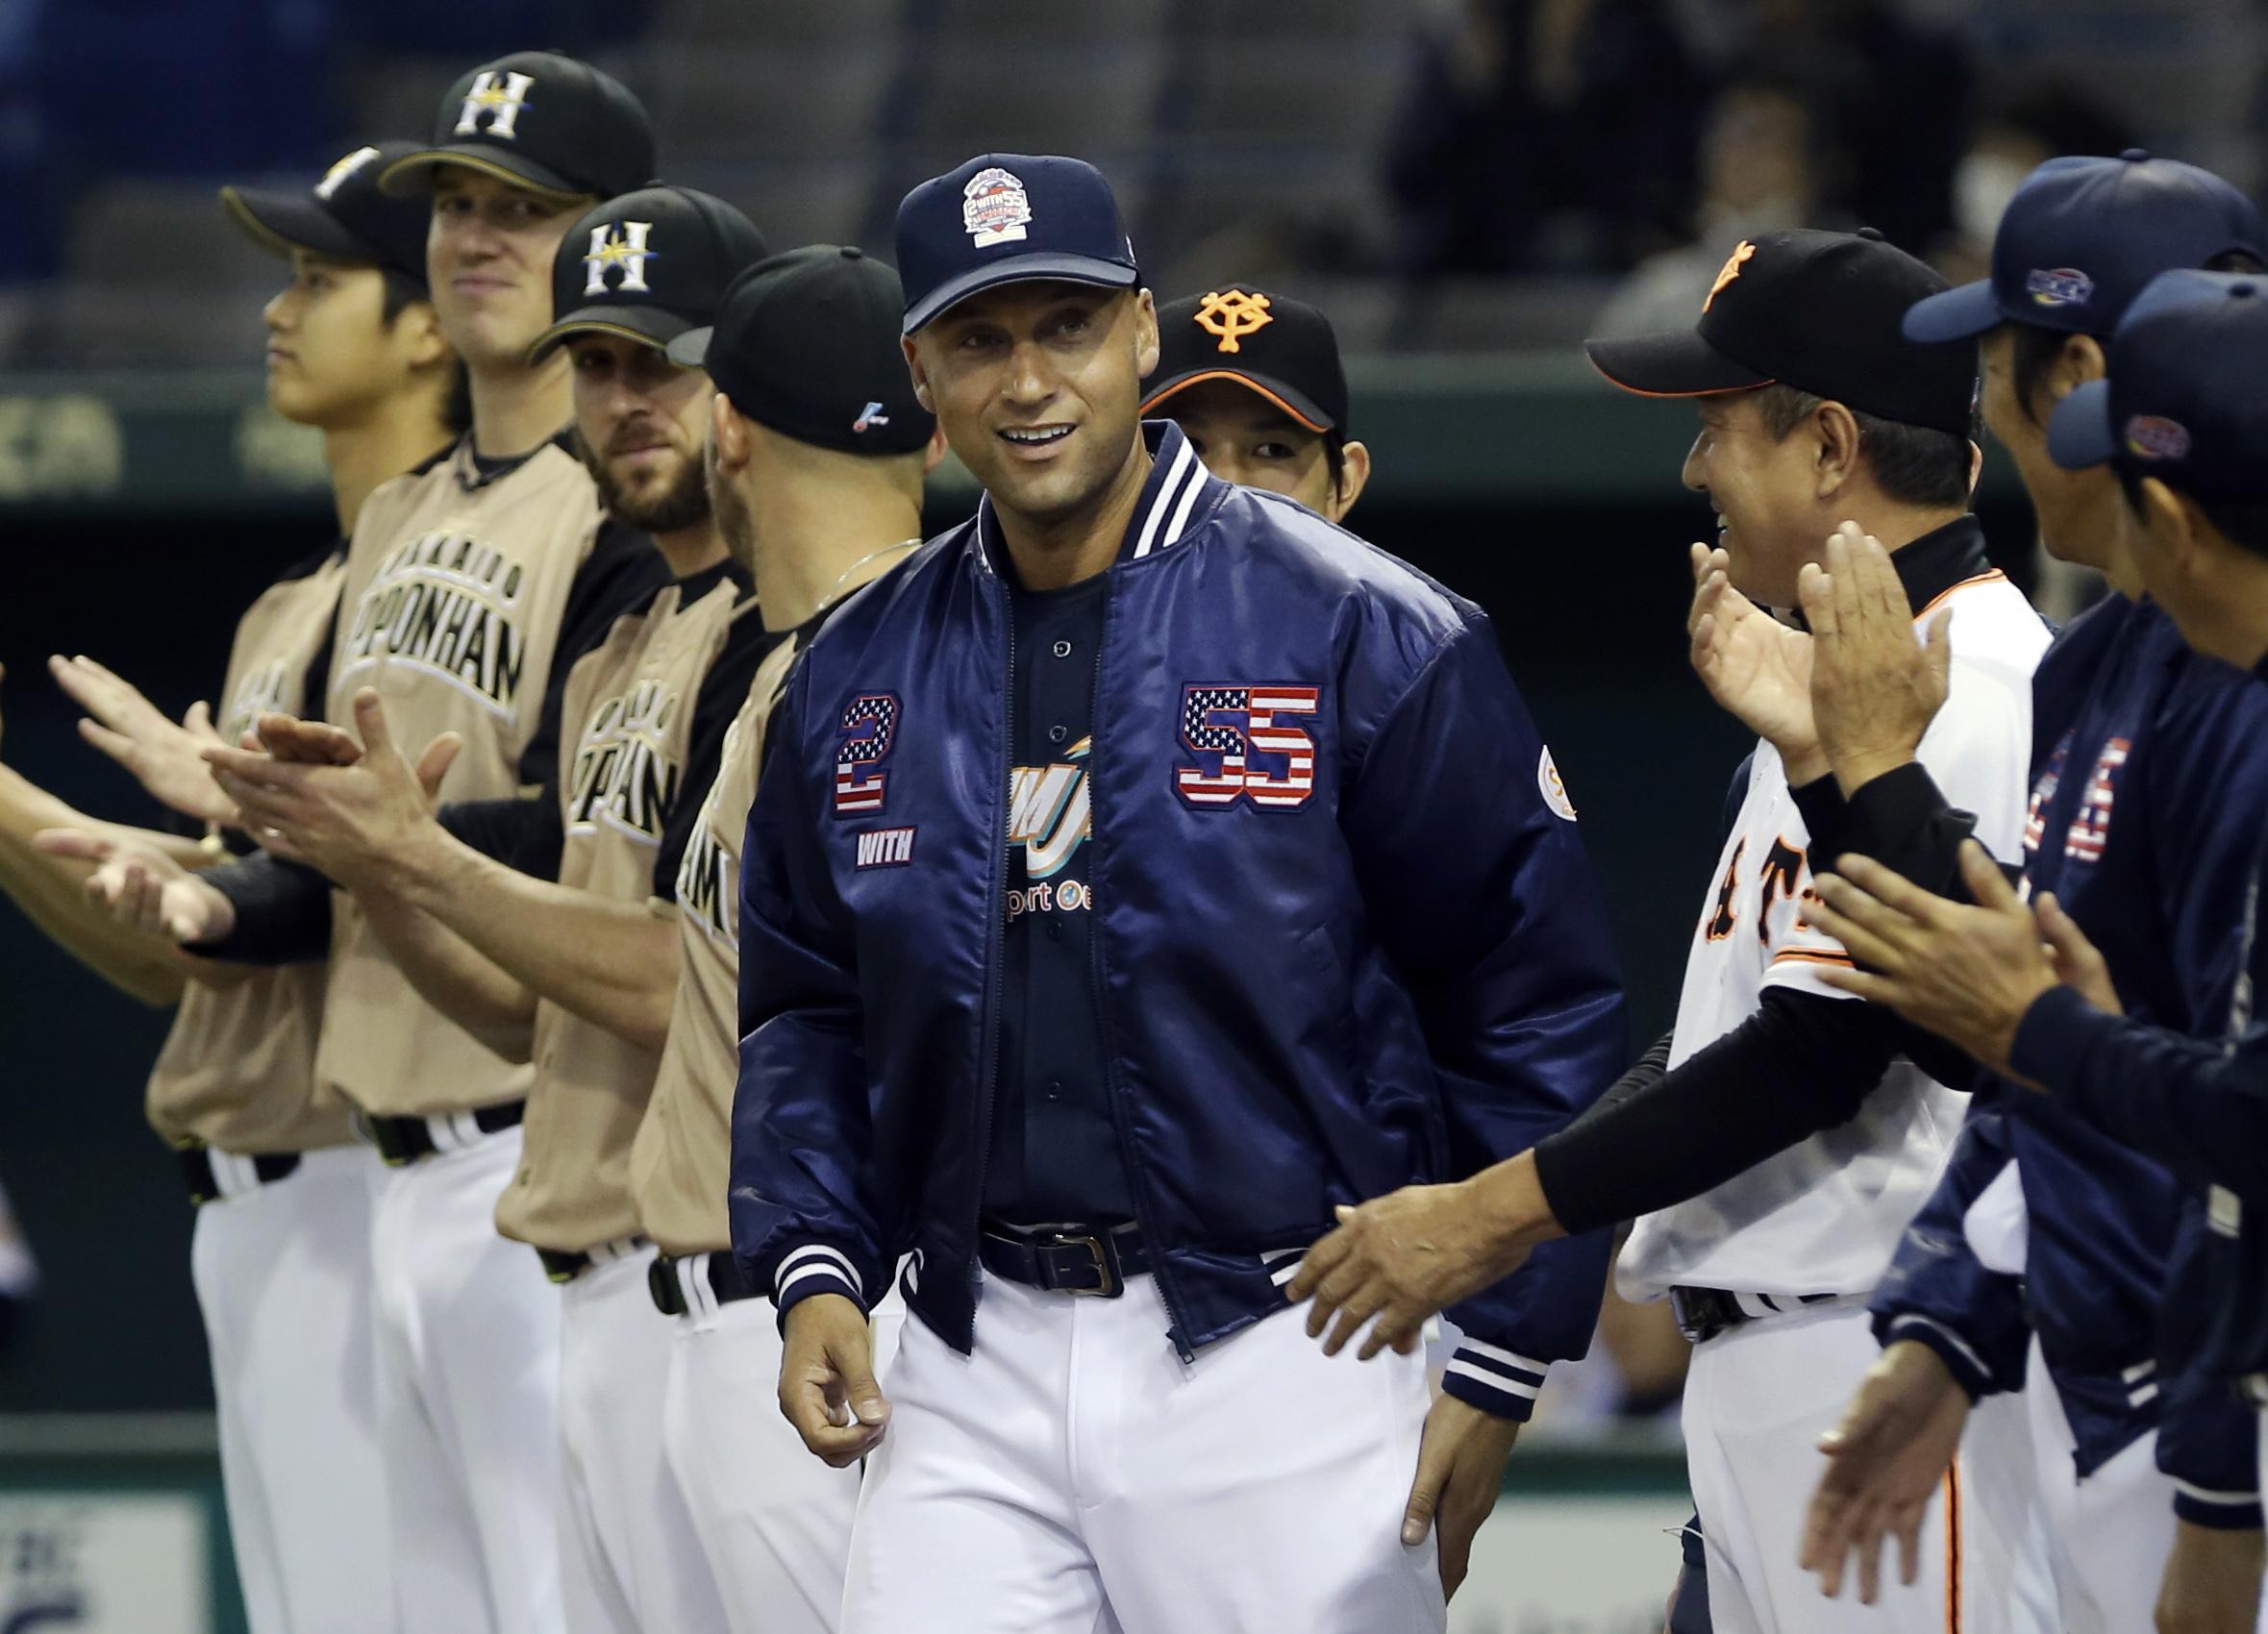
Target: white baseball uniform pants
x: 282, y: 1276
x: 1073, y: 1475
x: 630, y: 1559
x: 773, y: 1522
x: 1757, y: 1398
x: 469, y: 1354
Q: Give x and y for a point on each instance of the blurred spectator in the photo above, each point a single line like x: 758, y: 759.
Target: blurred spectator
x: 1761, y: 161
x: 2021, y: 131
x: 1543, y: 135
x: 1899, y: 94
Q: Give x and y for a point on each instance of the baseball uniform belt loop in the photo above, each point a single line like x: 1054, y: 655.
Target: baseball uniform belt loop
x: 1093, y: 1260
x: 561, y: 1265
x: 212, y: 1174
x: 403, y: 1140
x: 669, y: 1280
x: 1703, y: 1313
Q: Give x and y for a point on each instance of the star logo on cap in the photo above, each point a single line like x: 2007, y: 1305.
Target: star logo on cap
x: 1229, y: 318
x: 618, y: 246
x: 1730, y: 270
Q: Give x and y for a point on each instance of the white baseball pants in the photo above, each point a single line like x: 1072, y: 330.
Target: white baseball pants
x: 628, y: 1556
x: 282, y: 1276
x: 1757, y: 1398
x: 773, y: 1523
x: 468, y: 1353
x: 1073, y: 1475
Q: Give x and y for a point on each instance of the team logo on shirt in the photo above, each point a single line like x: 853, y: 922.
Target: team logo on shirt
x: 1781, y: 879
x: 258, y: 691
x: 868, y: 725
x: 447, y: 605
x: 2090, y: 825
x: 2043, y: 795
x: 497, y: 100
x: 1050, y: 816
x: 1227, y: 727
x: 625, y: 778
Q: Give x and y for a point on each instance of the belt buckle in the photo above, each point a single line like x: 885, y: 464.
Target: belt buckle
x: 1110, y: 1285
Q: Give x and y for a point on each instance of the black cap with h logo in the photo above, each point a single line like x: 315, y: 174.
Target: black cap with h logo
x: 648, y: 266
x: 538, y: 120
x: 343, y: 216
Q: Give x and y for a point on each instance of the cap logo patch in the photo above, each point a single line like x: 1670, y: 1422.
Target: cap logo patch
x: 869, y: 417
x: 994, y: 207
x: 336, y: 177
x: 2059, y: 286
x: 619, y: 247
x: 497, y: 101
x: 2152, y: 436
x: 1730, y: 270
x: 1229, y: 318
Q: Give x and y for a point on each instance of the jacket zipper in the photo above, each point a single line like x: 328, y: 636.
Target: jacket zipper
x: 997, y: 971
x: 1175, y: 1331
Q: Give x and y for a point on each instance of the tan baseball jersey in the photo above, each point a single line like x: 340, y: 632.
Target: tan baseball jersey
x: 648, y: 712
x: 678, y: 1167
x: 238, y: 1068
x: 459, y: 582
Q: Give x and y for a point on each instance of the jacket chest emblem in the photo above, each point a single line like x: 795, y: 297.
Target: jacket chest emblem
x: 1248, y: 745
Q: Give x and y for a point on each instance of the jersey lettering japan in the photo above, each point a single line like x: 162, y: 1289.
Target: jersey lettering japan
x: 1824, y: 1216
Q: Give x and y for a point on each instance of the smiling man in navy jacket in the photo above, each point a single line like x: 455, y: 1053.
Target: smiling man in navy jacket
x: 1143, y: 869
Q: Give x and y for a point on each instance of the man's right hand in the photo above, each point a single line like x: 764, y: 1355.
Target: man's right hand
x: 827, y: 1387
x: 165, y: 758
x: 1884, y: 1462
x: 1756, y: 668
x: 1875, y: 689
x: 143, y: 887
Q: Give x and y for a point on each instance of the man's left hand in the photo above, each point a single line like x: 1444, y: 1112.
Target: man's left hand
x: 1965, y: 973
x: 1460, y: 1470
x: 357, y: 823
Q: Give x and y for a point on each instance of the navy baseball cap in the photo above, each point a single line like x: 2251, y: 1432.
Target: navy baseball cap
x: 1005, y: 218
x: 648, y: 266
x: 343, y: 216
x: 541, y: 121
x: 2084, y: 235
x: 1283, y: 349
x: 1819, y: 312
x: 2184, y: 400
x: 807, y: 343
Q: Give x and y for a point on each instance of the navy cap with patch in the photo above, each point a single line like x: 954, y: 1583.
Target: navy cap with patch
x: 2184, y: 400
x: 648, y: 266
x: 1004, y: 218
x: 539, y: 120
x: 2082, y: 236
x: 343, y: 216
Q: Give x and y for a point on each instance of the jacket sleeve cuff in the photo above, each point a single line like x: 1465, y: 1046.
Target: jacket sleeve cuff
x: 2222, y: 1511
x: 815, y: 1269
x: 1884, y: 811
x: 1960, y: 1358
x: 2055, y: 1038
x: 1494, y: 1380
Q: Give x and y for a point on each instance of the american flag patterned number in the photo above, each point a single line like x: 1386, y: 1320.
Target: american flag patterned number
x: 1210, y: 727
x: 868, y: 725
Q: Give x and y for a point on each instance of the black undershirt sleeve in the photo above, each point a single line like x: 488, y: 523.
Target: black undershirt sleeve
x: 1800, y: 1064
x: 282, y: 912
x: 1643, y: 1074
x: 524, y: 835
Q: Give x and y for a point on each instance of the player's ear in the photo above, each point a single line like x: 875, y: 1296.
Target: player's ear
x: 730, y: 434
x: 1837, y: 457
x: 417, y: 332
x: 1146, y: 342
x: 921, y: 378
x: 1353, y: 477
x: 2080, y: 360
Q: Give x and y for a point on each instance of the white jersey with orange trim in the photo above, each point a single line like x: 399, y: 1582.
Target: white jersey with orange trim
x: 1824, y: 1216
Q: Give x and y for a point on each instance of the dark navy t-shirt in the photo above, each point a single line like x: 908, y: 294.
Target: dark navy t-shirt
x: 1055, y: 1155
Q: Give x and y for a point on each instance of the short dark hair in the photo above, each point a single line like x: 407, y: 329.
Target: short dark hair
x: 2242, y: 522
x: 401, y: 294
x: 2035, y: 349
x: 1913, y: 464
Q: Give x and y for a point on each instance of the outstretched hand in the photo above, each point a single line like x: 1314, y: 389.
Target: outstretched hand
x: 142, y: 887
x: 1758, y: 668
x: 167, y: 760
x: 1875, y: 689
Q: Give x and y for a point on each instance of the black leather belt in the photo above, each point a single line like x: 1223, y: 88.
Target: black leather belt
x: 402, y: 1141
x: 196, y: 1171
x: 1703, y: 1313
x: 725, y: 1281
x: 562, y: 1266
x: 1064, y: 1259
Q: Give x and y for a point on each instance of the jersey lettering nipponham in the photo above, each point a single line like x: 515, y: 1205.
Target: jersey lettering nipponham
x: 450, y: 605
x: 1824, y: 1216
x: 628, y: 712
x: 455, y: 593
x: 238, y: 1068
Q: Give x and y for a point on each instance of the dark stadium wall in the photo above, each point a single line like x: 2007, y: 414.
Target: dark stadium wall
x: 1590, y: 604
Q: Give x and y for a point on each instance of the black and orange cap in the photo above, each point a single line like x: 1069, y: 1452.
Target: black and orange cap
x: 1283, y: 349
x: 1820, y: 312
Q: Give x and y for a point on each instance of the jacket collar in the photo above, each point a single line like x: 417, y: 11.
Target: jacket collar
x: 1940, y: 560
x: 1163, y: 517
